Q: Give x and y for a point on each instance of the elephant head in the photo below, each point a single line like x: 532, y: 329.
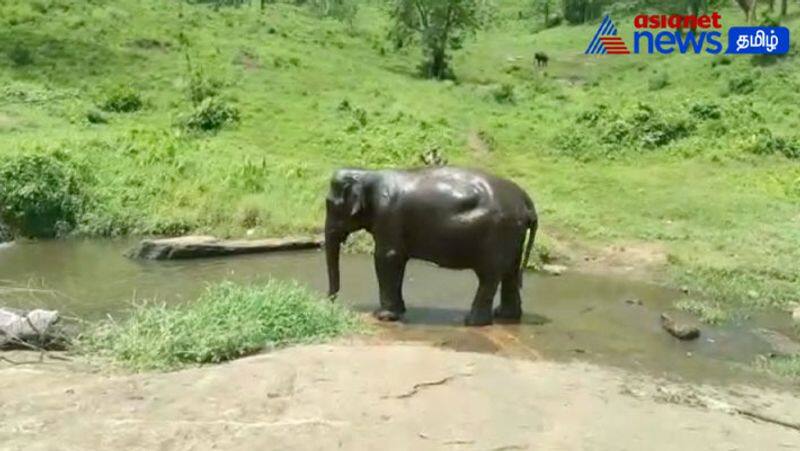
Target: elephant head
x: 346, y: 212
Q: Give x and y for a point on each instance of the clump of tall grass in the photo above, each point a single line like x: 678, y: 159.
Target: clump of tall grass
x: 226, y: 322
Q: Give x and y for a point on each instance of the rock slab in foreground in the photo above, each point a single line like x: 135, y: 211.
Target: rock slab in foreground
x: 18, y: 327
x: 186, y: 247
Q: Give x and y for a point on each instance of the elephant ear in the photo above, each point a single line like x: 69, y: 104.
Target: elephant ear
x: 355, y: 197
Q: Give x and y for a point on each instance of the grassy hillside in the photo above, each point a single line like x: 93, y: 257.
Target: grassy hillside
x: 697, y: 154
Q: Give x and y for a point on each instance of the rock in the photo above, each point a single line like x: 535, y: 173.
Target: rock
x: 34, y: 327
x: 634, y: 301
x: 796, y: 315
x: 554, y: 270
x: 208, y: 246
x: 780, y: 344
x: 680, y: 331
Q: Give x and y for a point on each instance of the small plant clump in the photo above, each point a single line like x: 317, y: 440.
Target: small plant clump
x: 40, y: 195
x: 763, y: 142
x: 211, y: 114
x: 226, y: 322
x: 122, y: 99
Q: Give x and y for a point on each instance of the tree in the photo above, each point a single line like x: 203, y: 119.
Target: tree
x: 784, y: 7
x: 749, y: 8
x: 440, y: 26
x: 543, y: 7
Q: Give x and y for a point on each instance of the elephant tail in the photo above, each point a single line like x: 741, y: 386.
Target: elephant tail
x: 533, y: 224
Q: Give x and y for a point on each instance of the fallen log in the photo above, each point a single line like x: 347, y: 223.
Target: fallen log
x: 186, y: 247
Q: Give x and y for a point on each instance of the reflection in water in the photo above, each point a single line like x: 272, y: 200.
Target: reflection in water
x: 565, y: 317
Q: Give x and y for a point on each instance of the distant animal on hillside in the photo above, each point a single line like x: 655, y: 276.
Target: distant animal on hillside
x: 541, y: 59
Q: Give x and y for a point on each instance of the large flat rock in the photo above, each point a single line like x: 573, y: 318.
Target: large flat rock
x: 393, y: 397
x: 200, y: 246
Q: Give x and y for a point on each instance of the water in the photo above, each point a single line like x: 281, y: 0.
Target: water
x: 566, y: 317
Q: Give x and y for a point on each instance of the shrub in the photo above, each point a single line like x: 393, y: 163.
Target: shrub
x: 741, y: 84
x: 504, y: 93
x: 658, y: 81
x: 341, y: 10
x: 705, y: 111
x: 763, y: 142
x: 211, y: 114
x: 20, y: 56
x: 40, y: 195
x: 226, y: 322
x: 94, y: 116
x: 201, y: 87
x: 122, y: 99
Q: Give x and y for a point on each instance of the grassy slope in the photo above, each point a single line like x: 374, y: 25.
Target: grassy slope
x: 729, y: 220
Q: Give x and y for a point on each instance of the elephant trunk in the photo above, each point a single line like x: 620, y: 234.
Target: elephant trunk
x: 333, y: 244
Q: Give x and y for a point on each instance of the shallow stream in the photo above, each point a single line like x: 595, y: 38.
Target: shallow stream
x: 600, y: 319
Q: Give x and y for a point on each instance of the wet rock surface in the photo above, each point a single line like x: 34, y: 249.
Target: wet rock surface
x: 679, y: 330
x: 201, y: 246
x: 781, y: 345
x: 554, y: 270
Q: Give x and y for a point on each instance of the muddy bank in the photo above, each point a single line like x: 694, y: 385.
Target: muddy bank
x: 358, y: 396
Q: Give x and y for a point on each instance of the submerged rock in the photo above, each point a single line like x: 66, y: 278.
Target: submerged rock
x: 18, y: 327
x: 208, y: 246
x: 780, y: 344
x: 554, y: 270
x: 680, y: 331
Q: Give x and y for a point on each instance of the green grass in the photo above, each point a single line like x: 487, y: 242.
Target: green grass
x: 694, y: 153
x: 226, y: 322
x: 783, y: 365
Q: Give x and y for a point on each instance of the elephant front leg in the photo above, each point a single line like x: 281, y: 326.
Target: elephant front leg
x: 390, y: 267
x: 481, y: 312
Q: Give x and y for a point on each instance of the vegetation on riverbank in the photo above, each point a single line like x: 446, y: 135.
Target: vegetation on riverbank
x: 193, y: 118
x: 226, y: 322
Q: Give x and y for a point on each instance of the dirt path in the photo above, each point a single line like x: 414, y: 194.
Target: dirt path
x: 360, y: 396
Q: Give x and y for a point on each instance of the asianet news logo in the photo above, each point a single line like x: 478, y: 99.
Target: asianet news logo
x: 704, y: 36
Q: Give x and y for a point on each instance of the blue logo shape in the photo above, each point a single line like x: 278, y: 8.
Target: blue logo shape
x: 606, y: 41
x: 758, y: 40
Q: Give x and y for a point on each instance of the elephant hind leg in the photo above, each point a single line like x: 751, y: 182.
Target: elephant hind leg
x: 481, y: 312
x: 510, y: 308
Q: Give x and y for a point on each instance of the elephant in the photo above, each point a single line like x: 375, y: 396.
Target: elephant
x: 454, y: 217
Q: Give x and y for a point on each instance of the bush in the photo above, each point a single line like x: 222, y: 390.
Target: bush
x: 201, y: 87
x: 658, y: 81
x: 741, y: 85
x: 210, y: 115
x: 226, y: 322
x: 40, y: 195
x: 94, y: 116
x: 341, y: 10
x: 20, y: 56
x: 763, y: 142
x: 504, y: 93
x: 705, y: 111
x: 122, y: 99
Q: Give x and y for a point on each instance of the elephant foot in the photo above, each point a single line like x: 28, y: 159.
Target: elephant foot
x: 507, y: 315
x: 477, y: 320
x: 387, y: 315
